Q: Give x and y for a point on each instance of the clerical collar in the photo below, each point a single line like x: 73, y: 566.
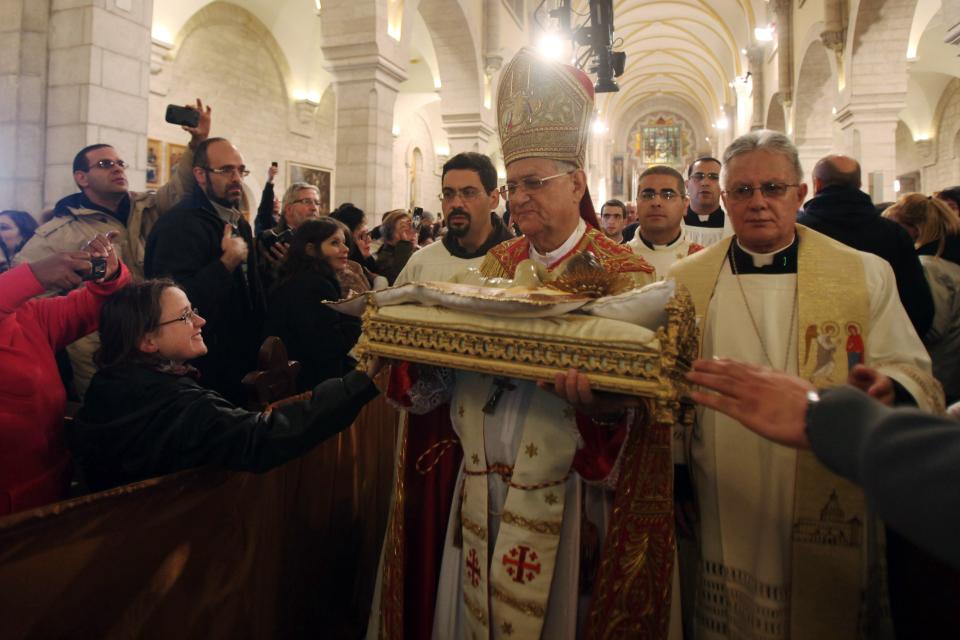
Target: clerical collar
x: 547, y: 259
x: 714, y: 219
x: 775, y: 263
x: 661, y: 247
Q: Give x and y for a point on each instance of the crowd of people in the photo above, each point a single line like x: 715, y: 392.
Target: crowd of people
x: 147, y: 308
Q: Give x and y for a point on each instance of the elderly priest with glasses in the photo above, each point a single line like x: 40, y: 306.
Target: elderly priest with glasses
x: 788, y: 549
x: 532, y: 516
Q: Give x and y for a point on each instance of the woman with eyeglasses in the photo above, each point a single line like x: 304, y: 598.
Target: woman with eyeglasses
x: 316, y: 336
x: 146, y: 413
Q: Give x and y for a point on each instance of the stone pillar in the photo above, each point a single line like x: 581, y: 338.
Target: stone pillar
x: 366, y: 95
x: 784, y: 13
x: 951, y: 18
x: 466, y: 132
x: 755, y: 56
x: 98, y: 86
x: 23, y: 80
x: 869, y: 129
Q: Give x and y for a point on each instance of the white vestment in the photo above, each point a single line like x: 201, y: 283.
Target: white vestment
x: 662, y: 256
x: 434, y: 263
x: 745, y: 484
x: 706, y: 236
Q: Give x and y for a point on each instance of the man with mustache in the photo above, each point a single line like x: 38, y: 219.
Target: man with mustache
x: 206, y: 245
x: 468, y: 196
x: 706, y: 221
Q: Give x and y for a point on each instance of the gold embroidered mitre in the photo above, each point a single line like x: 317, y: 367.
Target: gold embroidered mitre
x: 543, y: 110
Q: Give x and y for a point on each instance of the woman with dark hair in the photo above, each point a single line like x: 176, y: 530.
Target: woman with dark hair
x: 146, y: 414
x: 315, y: 335
x: 363, y: 265
x: 16, y: 228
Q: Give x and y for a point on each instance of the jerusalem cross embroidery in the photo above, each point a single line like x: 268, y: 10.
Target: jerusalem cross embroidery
x: 473, y: 568
x: 521, y: 564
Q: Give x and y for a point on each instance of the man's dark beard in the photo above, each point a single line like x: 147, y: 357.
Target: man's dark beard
x: 223, y: 202
x: 458, y: 231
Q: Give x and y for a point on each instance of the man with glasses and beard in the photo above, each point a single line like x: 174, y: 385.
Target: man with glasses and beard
x: 106, y: 204
x: 206, y: 245
x: 468, y: 197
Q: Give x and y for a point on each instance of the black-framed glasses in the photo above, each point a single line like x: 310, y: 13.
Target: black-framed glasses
x: 307, y: 201
x: 665, y: 194
x: 467, y: 194
x: 229, y: 170
x: 528, y: 185
x: 700, y: 175
x: 109, y: 164
x: 769, y: 190
x: 186, y: 317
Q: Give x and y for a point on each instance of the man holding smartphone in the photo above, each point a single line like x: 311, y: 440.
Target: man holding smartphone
x: 105, y: 204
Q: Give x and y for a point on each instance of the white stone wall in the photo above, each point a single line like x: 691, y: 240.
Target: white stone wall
x: 415, y: 133
x: 232, y: 68
x: 945, y: 170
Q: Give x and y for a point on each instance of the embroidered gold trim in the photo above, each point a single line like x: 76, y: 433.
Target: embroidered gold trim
x: 475, y: 610
x: 929, y: 386
x: 473, y: 527
x: 536, y: 526
x: 528, y: 608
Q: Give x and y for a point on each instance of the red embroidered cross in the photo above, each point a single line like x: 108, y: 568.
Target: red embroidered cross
x: 517, y: 566
x: 473, y: 568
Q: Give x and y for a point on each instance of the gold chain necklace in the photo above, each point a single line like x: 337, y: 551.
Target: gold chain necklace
x: 753, y: 320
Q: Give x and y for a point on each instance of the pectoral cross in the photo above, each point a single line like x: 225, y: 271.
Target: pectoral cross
x: 501, y: 384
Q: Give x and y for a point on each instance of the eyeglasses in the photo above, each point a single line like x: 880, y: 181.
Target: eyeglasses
x: 229, y: 170
x: 109, y: 164
x: 307, y: 201
x: 769, y: 190
x: 529, y: 185
x: 186, y: 317
x: 665, y: 194
x: 467, y: 194
x: 700, y: 175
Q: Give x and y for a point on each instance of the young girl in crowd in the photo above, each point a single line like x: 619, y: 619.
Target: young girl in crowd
x: 146, y: 414
x: 315, y: 335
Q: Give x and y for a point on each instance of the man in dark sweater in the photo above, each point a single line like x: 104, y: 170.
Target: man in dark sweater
x: 206, y: 246
x: 846, y: 214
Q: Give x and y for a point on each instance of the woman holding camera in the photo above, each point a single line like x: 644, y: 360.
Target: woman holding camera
x: 315, y: 335
x: 145, y: 413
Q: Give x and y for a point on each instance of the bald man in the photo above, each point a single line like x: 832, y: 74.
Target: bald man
x: 845, y: 213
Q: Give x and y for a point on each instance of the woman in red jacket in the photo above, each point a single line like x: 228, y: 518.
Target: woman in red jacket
x: 34, y: 463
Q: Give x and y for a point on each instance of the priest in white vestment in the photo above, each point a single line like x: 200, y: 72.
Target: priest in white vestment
x: 661, y: 238
x: 788, y: 550
x: 706, y: 221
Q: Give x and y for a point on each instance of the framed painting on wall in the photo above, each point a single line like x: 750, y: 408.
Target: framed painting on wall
x: 154, y: 163
x: 174, y: 152
x: 616, y: 176
x: 317, y: 176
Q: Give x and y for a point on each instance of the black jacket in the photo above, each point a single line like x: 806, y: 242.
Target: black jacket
x: 185, y: 245
x: 315, y: 335
x: 391, y: 259
x: 138, y: 423
x: 848, y: 216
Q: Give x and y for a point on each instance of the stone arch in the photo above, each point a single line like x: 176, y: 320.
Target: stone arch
x: 814, y: 98
x: 877, y: 47
x: 776, y: 119
x: 944, y: 167
x: 457, y: 48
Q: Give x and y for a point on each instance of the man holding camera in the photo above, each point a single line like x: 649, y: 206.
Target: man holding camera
x: 206, y: 245
x: 399, y: 243
x: 103, y: 205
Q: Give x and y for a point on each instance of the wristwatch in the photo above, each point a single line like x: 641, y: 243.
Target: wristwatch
x: 813, y: 398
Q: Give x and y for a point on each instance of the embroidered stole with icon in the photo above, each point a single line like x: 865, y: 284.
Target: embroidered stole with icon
x: 830, y: 520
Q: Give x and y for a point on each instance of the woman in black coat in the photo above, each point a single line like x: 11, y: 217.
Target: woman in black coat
x: 315, y: 335
x: 146, y: 413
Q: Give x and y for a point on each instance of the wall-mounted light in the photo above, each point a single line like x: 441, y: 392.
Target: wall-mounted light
x: 161, y: 33
x: 896, y: 186
x: 551, y: 46
x: 722, y: 123
x: 599, y: 126
x: 764, y: 34
x: 395, y: 131
x: 443, y: 151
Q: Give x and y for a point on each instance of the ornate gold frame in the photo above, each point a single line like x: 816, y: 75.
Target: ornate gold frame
x: 653, y: 373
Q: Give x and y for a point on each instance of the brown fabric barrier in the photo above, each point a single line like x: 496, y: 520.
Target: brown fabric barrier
x: 207, y: 553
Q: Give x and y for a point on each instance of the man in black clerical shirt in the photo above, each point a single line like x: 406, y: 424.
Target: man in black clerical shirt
x: 705, y: 220
x: 847, y: 214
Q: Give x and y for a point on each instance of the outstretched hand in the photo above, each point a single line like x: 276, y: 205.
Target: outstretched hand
x: 770, y: 403
x: 873, y: 383
x: 102, y: 247
x: 200, y: 132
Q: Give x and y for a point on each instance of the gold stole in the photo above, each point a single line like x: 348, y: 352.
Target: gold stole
x: 522, y: 562
x: 830, y: 517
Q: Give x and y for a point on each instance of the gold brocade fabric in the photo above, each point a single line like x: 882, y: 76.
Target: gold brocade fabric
x: 543, y: 110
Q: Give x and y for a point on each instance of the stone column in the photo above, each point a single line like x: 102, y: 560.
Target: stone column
x: 869, y: 129
x: 366, y: 95
x: 23, y: 79
x: 784, y: 13
x: 97, y: 86
x: 466, y: 132
x: 755, y: 65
